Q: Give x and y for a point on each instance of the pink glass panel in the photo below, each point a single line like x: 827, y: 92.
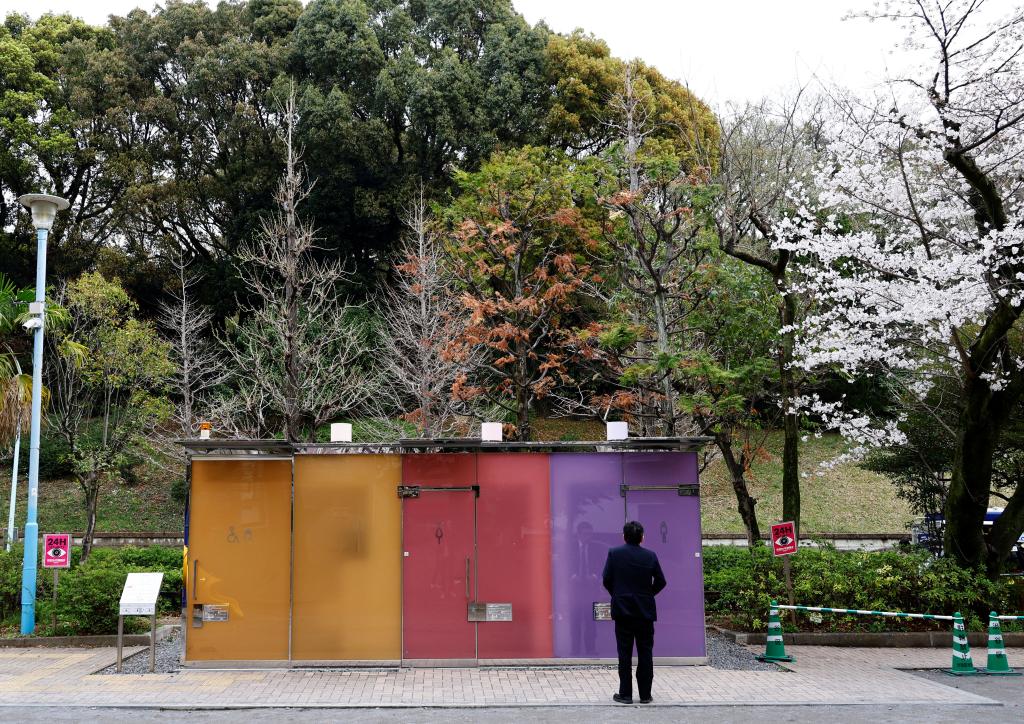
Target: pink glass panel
x: 514, y: 544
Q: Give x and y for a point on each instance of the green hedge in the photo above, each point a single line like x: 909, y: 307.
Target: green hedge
x: 740, y: 586
x: 88, y: 595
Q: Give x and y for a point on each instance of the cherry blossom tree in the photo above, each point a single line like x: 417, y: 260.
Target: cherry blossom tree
x: 914, y: 228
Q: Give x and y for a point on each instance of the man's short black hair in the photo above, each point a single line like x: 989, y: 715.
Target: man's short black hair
x: 633, y: 532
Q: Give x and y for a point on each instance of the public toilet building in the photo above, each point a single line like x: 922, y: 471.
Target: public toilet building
x: 452, y: 552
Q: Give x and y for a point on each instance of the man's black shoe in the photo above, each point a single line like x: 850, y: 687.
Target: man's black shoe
x: 622, y: 699
x: 647, y: 700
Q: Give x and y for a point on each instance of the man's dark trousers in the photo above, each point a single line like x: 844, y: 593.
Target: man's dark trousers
x: 641, y: 631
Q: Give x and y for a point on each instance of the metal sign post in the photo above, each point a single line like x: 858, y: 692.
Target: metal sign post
x: 56, y: 555
x: 53, y: 604
x: 139, y: 599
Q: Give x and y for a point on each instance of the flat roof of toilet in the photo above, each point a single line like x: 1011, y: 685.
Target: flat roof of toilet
x: 449, y: 444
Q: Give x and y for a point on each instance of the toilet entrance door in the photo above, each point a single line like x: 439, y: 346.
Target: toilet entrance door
x: 670, y: 515
x: 238, y: 583
x: 439, y: 578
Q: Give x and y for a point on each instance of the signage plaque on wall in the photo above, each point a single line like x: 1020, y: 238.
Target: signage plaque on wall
x: 602, y: 611
x: 482, y: 612
x: 215, y: 612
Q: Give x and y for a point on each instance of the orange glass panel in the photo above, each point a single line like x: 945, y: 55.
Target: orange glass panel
x: 239, y: 550
x: 347, y: 558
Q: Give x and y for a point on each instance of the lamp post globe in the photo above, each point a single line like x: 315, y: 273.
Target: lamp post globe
x: 44, y: 208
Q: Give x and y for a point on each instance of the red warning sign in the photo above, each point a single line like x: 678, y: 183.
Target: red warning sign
x: 56, y: 550
x: 784, y: 538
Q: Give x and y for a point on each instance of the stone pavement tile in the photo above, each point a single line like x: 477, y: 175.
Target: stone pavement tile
x: 820, y: 675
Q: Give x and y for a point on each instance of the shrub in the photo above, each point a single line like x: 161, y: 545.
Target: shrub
x: 54, y: 458
x: 179, y: 489
x: 88, y: 595
x: 745, y: 582
x: 10, y: 582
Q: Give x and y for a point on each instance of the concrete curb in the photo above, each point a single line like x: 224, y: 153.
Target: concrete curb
x: 891, y: 639
x: 29, y: 642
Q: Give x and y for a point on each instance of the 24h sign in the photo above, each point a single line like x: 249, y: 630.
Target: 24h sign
x: 784, y: 538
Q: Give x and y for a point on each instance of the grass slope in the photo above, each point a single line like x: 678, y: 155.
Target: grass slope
x: 143, y: 506
x: 844, y: 499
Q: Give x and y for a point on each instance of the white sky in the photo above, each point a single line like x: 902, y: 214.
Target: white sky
x: 726, y: 50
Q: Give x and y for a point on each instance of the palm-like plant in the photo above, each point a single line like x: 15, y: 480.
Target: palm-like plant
x: 15, y: 386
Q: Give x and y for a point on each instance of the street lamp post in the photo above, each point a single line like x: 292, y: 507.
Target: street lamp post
x: 44, y: 209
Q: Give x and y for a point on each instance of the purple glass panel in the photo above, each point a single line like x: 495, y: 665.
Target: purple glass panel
x: 664, y: 468
x: 586, y: 520
x: 672, y: 530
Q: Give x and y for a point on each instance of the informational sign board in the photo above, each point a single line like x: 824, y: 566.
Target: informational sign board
x: 784, y: 538
x: 56, y: 550
x: 140, y: 593
x: 602, y: 611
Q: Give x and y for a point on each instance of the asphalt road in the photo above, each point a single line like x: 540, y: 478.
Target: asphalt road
x: 563, y: 715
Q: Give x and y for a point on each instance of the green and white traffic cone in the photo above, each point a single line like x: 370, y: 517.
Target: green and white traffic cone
x: 997, y: 663
x: 962, y: 663
x: 775, y: 649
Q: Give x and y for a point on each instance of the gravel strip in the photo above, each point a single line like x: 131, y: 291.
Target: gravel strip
x: 168, y: 657
x: 723, y: 653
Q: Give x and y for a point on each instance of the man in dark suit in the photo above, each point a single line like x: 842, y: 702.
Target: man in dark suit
x: 633, y: 576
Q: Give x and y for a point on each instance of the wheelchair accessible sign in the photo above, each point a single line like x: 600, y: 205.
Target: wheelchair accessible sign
x: 56, y: 550
x: 784, y: 538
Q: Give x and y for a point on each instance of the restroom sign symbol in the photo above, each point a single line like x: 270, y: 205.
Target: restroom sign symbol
x: 784, y: 538
x: 56, y: 550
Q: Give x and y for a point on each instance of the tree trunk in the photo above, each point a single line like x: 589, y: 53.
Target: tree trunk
x: 971, y: 478
x: 668, y: 412
x: 291, y: 376
x: 744, y: 502
x: 291, y: 299
x: 92, y: 494
x: 1006, y: 530
x: 791, y: 420
x: 522, y: 413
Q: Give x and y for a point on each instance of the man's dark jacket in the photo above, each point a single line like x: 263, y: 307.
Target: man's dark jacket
x: 633, y: 576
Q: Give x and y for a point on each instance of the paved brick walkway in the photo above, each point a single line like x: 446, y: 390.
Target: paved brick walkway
x: 821, y: 675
